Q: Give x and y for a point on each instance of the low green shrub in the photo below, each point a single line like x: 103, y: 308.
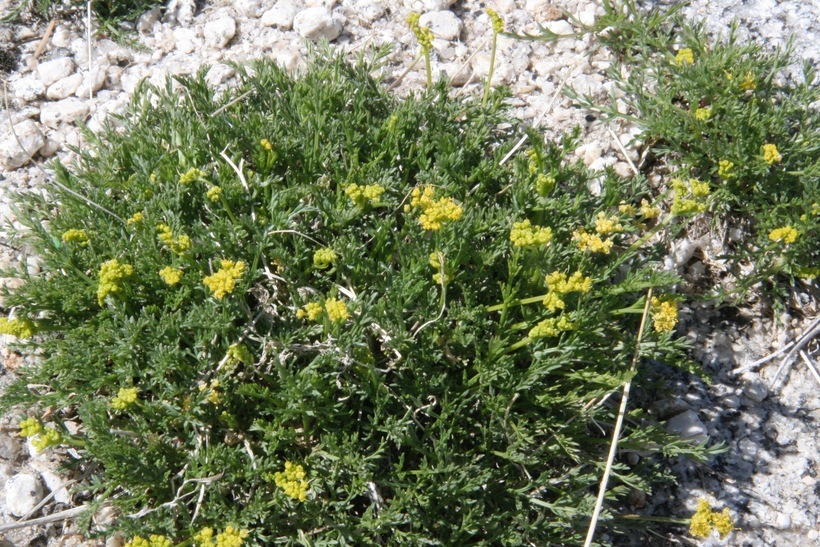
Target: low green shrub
x: 307, y: 312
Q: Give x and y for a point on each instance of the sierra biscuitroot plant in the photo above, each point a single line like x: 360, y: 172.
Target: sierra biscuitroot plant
x: 306, y: 312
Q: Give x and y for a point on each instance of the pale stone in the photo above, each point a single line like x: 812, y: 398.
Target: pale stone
x: 23, y: 492
x: 55, y: 483
x: 688, y: 425
x: 65, y: 111
x: 56, y: 69
x: 248, y: 8
x: 756, y: 390
x: 280, y: 15
x: 560, y: 27
x: 218, y: 74
x: 64, y: 88
x: 28, y: 88
x: 220, y: 31
x: 146, y: 22
x: 29, y: 135
x: 317, y: 24
x: 369, y: 10
x: 61, y: 36
x: 187, y: 40
x: 92, y: 82
x: 444, y: 24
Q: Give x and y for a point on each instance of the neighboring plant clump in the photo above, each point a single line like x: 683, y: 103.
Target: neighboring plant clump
x: 726, y: 117
x: 308, y: 312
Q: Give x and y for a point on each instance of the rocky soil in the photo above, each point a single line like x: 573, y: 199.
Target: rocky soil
x: 768, y: 476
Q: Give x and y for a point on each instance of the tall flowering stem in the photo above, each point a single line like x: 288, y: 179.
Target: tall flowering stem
x: 425, y: 38
x: 498, y: 27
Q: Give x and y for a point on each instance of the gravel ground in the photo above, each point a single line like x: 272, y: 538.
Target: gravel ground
x: 768, y: 476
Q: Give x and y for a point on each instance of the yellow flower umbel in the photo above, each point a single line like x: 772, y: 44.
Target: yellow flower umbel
x: 552, y: 327
x: 136, y: 218
x: 770, y: 154
x: 213, y: 396
x: 292, y: 481
x: 648, y: 211
x: 544, y: 184
x: 703, y: 114
x: 48, y: 437
x: 682, y: 203
x: 154, y: 540
x: 725, y: 168
x: 607, y: 225
x: 685, y: 57
x: 324, y: 258
x: 433, y: 212
x: 560, y: 284
x: 21, y: 328
x: 214, y: 193
x: 312, y: 311
x: 664, y: 314
x: 437, y: 262
x: 786, y: 234
x: 336, y: 310
x: 266, y: 144
x: 425, y: 39
x: 111, y: 275
x: 705, y: 520
x: 224, y: 280
x: 178, y: 244
x: 30, y: 427
x: 80, y: 237
x: 192, y: 175
x: 748, y: 83
x: 591, y: 243
x: 170, y: 275
x: 126, y: 398
x: 364, y: 195
x: 524, y: 234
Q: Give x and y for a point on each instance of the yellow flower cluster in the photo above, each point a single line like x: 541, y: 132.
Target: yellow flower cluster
x: 607, y: 225
x: 171, y: 275
x: 80, y: 237
x: 292, y: 481
x: 21, y: 328
x: 111, y: 275
x: 682, y: 203
x: 46, y: 438
x: 336, y: 310
x: 324, y: 258
x: 177, y: 244
x: 212, y: 388
x: 361, y: 195
x: 703, y: 114
x: 312, y: 310
x: 126, y: 397
x: 592, y: 243
x: 497, y: 21
x: 725, y: 168
x: 524, y: 234
x: 214, y: 193
x: 627, y: 208
x: 224, y: 280
x: 135, y: 218
x: 239, y: 353
x: 748, y: 83
x: 770, y: 154
x: 423, y: 34
x: 30, y: 427
x: 786, y: 234
x: 544, y: 184
x: 648, y: 211
x: 664, y: 314
x: 436, y: 260
x: 230, y: 537
x: 685, y: 57
x: 192, y: 175
x: 154, y: 540
x: 560, y: 284
x: 549, y: 328
x: 434, y: 212
x: 705, y: 520
x: 266, y: 144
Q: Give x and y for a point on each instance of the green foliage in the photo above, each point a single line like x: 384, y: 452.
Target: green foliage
x: 401, y: 372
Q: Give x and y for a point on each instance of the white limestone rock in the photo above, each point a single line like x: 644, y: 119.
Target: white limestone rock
x: 280, y: 15
x: 65, y: 111
x: 64, y: 88
x: 317, y: 23
x: 444, y: 24
x: 28, y: 88
x: 54, y: 70
x: 220, y: 31
x: 688, y: 425
x: 23, y: 492
x: 248, y: 8
x: 11, y: 155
